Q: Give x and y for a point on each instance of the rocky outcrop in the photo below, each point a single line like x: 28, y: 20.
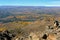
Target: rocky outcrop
x: 6, y: 35
x: 49, y: 33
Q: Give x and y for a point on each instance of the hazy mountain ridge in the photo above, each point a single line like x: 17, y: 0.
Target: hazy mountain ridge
x: 30, y: 9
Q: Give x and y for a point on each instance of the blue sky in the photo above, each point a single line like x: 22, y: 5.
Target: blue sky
x: 30, y: 2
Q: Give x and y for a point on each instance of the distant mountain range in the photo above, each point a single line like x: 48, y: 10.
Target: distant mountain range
x: 15, y: 10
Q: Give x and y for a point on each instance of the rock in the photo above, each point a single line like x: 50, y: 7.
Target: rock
x: 56, y: 23
x: 44, y: 36
x: 51, y: 36
x: 33, y: 36
x: 6, y: 35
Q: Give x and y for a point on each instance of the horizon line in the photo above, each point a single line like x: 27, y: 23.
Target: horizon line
x: 35, y: 5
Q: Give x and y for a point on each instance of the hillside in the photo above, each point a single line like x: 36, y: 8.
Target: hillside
x: 29, y: 21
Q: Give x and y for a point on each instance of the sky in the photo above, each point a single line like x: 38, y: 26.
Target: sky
x: 29, y: 2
